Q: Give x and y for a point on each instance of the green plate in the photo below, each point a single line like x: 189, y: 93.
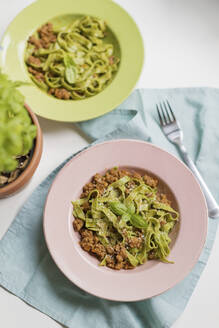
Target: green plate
x: 123, y: 33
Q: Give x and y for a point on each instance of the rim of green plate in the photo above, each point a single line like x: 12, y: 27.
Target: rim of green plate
x: 118, y: 20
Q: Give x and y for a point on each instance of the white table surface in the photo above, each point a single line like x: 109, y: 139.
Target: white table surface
x: 182, y: 50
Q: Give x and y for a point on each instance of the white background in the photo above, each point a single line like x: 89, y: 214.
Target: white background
x: 182, y: 49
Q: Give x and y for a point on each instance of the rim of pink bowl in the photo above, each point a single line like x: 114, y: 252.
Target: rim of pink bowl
x: 182, y: 275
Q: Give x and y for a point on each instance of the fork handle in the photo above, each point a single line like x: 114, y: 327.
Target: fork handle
x: 213, y: 208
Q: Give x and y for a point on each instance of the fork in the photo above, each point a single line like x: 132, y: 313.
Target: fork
x: 172, y: 130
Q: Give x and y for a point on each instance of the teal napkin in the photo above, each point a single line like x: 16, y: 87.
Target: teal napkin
x: 26, y: 267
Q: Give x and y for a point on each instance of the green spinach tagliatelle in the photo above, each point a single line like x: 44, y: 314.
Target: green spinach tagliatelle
x: 116, y: 217
x: 79, y: 61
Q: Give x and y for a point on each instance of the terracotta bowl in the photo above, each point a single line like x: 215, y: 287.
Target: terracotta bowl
x: 27, y: 174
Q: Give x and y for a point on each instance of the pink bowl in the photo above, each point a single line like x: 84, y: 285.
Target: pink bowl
x: 151, y: 278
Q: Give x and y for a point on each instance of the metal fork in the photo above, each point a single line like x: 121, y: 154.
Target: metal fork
x: 174, y: 133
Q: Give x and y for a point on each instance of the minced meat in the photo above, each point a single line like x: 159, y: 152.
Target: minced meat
x: 62, y: 93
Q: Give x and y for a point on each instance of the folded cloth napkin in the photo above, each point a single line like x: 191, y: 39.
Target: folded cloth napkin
x: 26, y: 268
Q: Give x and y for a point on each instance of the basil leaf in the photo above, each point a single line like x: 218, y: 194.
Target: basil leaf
x: 70, y: 69
x: 117, y: 208
x: 68, y: 61
x: 70, y: 74
x: 138, y: 221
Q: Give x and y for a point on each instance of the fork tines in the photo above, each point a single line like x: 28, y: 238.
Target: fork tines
x: 165, y: 113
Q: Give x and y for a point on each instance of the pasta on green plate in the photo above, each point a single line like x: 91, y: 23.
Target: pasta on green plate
x: 124, y: 220
x: 72, y: 62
